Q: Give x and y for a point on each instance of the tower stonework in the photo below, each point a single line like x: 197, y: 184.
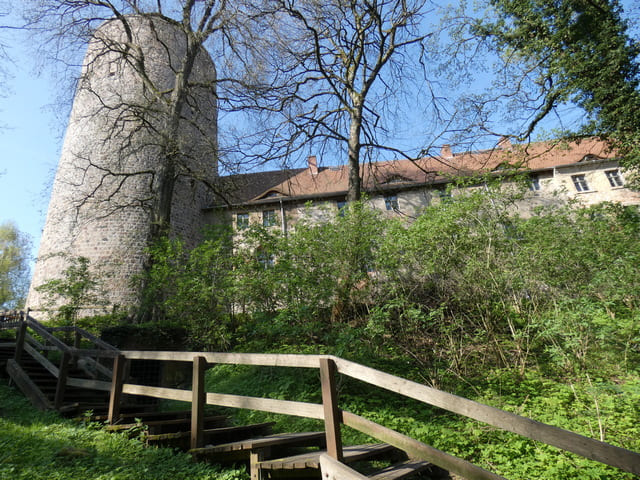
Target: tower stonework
x: 105, y: 185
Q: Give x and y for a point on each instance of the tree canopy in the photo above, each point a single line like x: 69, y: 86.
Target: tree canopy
x: 577, y: 51
x: 14, y: 266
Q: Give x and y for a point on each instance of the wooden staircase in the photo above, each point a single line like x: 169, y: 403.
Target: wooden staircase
x: 54, y: 374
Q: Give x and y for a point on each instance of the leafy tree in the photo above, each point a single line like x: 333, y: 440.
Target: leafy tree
x: 576, y: 51
x: 78, y: 288
x: 14, y: 266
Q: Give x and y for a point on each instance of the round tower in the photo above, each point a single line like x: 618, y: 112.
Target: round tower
x: 106, y: 183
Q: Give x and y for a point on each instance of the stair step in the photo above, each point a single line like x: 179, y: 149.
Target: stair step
x: 401, y: 470
x: 312, y: 459
x: 165, y: 426
x: 278, y: 440
x: 216, y: 435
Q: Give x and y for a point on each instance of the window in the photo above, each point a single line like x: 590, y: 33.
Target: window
x: 341, y: 207
x: 615, y: 180
x: 242, y: 221
x: 266, y: 260
x: 580, y: 182
x: 534, y: 183
x: 391, y: 202
x: 269, y: 218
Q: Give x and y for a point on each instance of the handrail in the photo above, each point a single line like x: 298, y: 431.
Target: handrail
x: 564, y: 439
x: 333, y: 416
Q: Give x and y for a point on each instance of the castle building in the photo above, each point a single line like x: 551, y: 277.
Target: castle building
x: 105, y: 185
x: 586, y: 172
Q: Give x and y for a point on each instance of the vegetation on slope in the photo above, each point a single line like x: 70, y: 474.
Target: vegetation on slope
x: 42, y: 446
x: 537, y: 315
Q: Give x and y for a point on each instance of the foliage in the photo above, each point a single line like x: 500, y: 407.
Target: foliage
x: 14, y: 266
x: 78, y: 287
x: 581, y: 51
x: 41, y: 445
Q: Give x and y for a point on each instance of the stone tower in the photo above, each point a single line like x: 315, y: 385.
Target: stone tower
x: 103, y: 192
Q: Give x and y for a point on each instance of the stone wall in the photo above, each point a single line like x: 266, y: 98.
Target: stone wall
x: 104, y: 187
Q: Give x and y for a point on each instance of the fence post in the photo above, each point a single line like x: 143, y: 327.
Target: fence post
x: 198, y: 401
x: 62, y: 380
x: 116, y: 388
x: 332, y: 414
x: 22, y: 332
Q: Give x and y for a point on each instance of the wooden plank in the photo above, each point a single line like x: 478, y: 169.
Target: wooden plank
x: 94, y: 352
x: 210, y: 421
x: 20, y: 337
x: 107, y: 372
x: 44, y: 332
x: 298, y: 439
x: 198, y: 401
x: 95, y: 340
x: 332, y: 414
x: 352, y: 453
x: 332, y: 469
x: 26, y: 386
x: 89, y: 384
x: 117, y: 381
x: 157, y: 392
x: 285, y: 407
x: 400, y: 470
x: 42, y: 360
x: 416, y: 449
x: 62, y: 380
x: 258, y: 359
x: 572, y: 442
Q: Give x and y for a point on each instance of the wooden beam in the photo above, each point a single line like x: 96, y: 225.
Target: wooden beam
x: 42, y: 360
x: 198, y: 401
x: 26, y: 386
x: 418, y: 450
x: 284, y: 407
x: 90, y: 384
x: 62, y: 380
x: 566, y: 440
x: 332, y: 469
x: 258, y: 359
x: 117, y: 382
x: 22, y: 331
x: 332, y: 414
x: 158, y: 392
x: 44, y: 332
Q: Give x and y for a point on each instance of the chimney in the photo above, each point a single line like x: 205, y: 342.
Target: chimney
x: 445, y: 151
x: 504, y: 143
x: 312, y: 162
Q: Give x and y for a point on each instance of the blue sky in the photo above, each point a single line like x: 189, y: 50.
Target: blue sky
x: 29, y: 142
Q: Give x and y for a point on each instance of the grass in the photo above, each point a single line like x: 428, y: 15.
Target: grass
x: 38, y: 445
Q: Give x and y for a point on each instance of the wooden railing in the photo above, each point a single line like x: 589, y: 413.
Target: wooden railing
x: 40, y: 342
x: 334, y: 417
x: 329, y: 410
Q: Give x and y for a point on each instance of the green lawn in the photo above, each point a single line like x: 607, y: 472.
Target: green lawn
x: 41, y: 445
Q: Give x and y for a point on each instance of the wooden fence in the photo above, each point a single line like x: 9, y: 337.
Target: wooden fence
x: 329, y: 410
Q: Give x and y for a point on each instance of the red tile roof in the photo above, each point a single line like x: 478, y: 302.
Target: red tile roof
x: 333, y: 181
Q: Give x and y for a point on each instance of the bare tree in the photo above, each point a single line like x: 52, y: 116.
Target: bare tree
x: 141, y: 147
x: 333, y: 74
x: 170, y: 93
